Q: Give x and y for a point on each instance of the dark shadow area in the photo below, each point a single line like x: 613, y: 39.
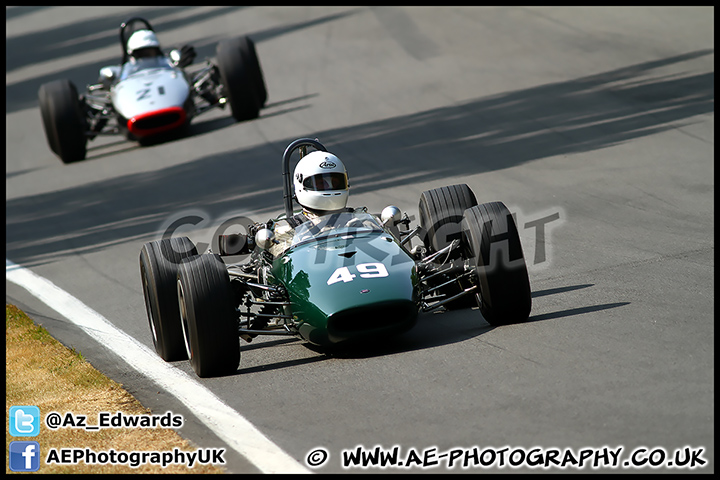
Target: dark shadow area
x: 432, y: 330
x: 575, y: 311
x: 32, y: 48
x: 278, y: 103
x: 482, y: 135
x: 279, y: 365
x: 255, y: 345
x: 102, y: 151
x: 17, y: 12
x: 553, y: 291
x: 10, y: 175
x: 200, y: 126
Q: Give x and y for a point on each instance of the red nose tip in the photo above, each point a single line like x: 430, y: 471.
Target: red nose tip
x: 157, y: 121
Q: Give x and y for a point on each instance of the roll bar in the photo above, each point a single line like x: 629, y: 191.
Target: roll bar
x: 302, y: 144
x: 124, y: 38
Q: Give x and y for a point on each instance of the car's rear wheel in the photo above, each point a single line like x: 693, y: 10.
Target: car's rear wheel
x: 441, y: 211
x: 492, y: 237
x: 241, y: 76
x: 208, y: 316
x: 159, y: 261
x: 64, y: 120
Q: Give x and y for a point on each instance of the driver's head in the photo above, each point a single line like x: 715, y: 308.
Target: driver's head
x: 321, y: 182
x: 142, y: 44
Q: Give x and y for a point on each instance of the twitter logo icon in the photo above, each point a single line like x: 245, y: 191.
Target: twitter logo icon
x: 24, y: 421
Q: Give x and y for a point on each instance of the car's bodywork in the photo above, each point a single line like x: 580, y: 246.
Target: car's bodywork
x: 347, y: 282
x: 344, y: 277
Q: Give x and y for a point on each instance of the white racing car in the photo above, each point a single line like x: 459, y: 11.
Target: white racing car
x: 151, y: 93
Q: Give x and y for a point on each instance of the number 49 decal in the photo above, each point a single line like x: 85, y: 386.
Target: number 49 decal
x: 366, y: 270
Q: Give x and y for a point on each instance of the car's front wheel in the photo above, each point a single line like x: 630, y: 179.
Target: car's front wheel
x: 207, y: 314
x: 159, y: 261
x: 64, y: 120
x: 492, y: 237
x: 241, y: 76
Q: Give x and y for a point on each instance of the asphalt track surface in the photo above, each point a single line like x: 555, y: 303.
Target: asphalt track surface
x: 596, y: 122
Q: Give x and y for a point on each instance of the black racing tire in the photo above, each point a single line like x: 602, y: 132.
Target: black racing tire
x: 208, y: 317
x: 159, y: 261
x: 441, y: 211
x: 64, y: 120
x: 492, y: 236
x: 241, y: 77
x: 250, y: 53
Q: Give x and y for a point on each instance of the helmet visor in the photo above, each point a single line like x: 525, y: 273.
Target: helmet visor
x: 146, y: 52
x: 326, y: 181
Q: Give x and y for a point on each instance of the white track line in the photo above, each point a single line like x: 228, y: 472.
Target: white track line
x: 228, y: 424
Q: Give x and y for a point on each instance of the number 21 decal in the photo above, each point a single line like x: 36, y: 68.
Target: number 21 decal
x: 144, y: 93
x: 366, y: 270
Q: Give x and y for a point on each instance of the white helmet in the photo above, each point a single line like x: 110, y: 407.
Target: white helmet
x: 321, y: 182
x: 142, y: 39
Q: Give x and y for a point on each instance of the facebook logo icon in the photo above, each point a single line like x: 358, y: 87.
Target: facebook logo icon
x: 24, y: 456
x: 24, y: 421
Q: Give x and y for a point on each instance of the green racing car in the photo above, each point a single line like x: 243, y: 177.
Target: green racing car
x: 334, y: 277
